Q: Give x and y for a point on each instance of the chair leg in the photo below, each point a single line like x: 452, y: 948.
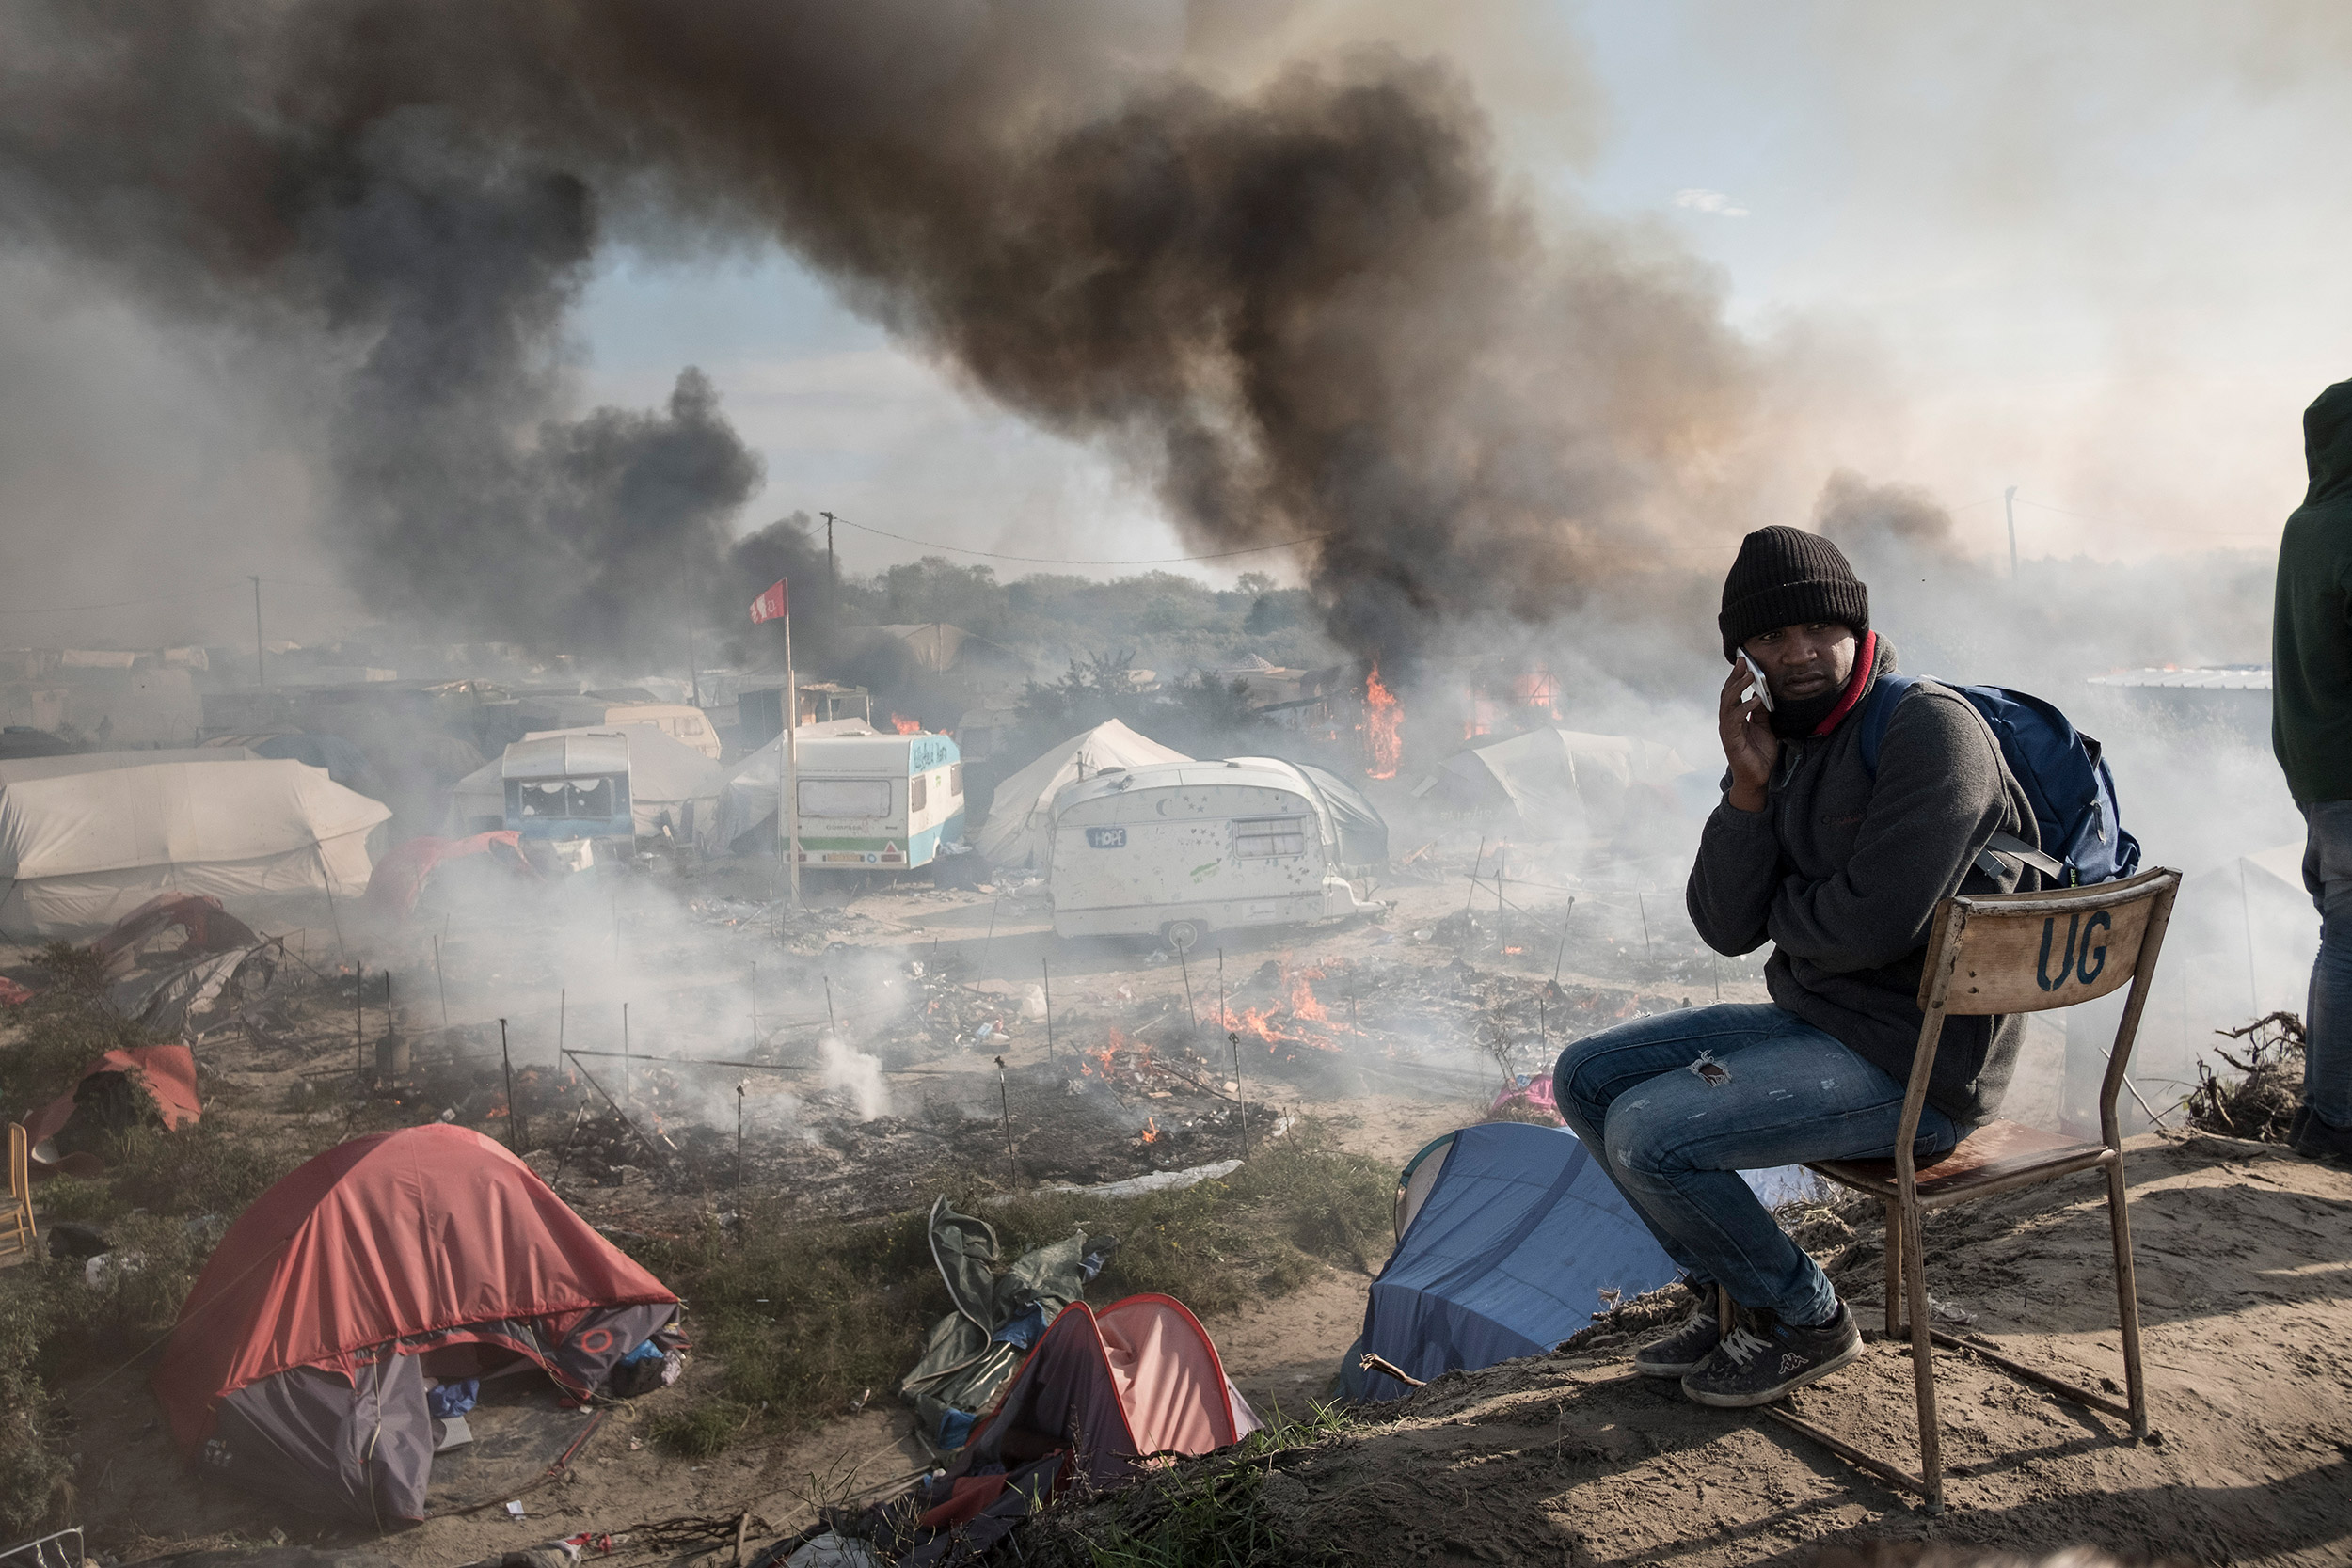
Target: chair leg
x: 2127, y: 1298
x: 1922, y: 1352
x: 1894, y: 1268
x: 1724, y: 1311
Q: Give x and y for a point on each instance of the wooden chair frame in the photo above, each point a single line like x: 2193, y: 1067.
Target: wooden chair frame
x: 18, y: 1233
x: 1971, y: 950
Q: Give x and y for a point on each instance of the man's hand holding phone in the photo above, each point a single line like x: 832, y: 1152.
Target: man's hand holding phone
x: 1742, y: 719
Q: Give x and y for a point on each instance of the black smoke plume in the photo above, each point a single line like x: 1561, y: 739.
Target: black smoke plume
x: 1306, y: 312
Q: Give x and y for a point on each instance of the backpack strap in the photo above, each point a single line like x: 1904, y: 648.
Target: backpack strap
x: 1878, y: 711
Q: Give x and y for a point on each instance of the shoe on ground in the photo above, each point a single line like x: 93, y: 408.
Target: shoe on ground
x: 1763, y: 1358
x: 2315, y: 1137
x: 1686, y: 1348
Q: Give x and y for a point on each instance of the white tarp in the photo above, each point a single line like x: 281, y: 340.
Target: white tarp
x: 1563, y: 783
x: 1020, y: 813
x: 750, y: 794
x: 665, y: 774
x: 84, y: 848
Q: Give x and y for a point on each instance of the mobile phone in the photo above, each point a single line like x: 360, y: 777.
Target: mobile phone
x: 1761, y: 690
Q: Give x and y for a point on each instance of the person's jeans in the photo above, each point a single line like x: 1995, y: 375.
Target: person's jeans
x: 1680, y: 1103
x: 2328, y: 1016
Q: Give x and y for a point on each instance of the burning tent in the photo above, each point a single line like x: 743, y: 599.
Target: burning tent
x: 1563, y: 783
x: 86, y: 840
x: 1019, y: 820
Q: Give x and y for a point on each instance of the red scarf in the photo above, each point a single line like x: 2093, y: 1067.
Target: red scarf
x: 1864, y: 660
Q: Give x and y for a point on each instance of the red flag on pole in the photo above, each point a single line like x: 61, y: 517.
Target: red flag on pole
x: 768, y: 606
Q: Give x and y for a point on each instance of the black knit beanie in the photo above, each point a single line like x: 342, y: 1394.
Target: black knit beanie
x: 1784, y: 576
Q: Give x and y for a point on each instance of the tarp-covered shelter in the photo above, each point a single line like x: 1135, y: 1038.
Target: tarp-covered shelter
x: 1510, y: 1235
x: 345, y: 762
x: 668, y: 780
x: 83, y: 847
x: 299, y: 1363
x: 1563, y: 784
x: 1021, y: 813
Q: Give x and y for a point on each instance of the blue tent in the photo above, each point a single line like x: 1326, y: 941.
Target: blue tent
x: 1507, y: 1256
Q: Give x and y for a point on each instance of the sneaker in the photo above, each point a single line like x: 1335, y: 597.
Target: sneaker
x: 1686, y: 1348
x: 1764, y: 1357
x: 2315, y: 1137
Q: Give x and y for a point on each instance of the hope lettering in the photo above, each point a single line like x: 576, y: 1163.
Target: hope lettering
x: 2075, y: 958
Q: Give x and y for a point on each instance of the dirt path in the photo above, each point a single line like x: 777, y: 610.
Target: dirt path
x: 2245, y: 1259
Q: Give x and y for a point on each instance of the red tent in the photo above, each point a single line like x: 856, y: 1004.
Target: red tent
x: 1099, y: 1393
x: 299, y: 1360
x: 168, y: 1072
x: 400, y: 876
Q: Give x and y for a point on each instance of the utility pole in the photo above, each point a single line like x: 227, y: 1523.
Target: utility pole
x: 832, y: 572
x: 261, y: 678
x: 2008, y: 503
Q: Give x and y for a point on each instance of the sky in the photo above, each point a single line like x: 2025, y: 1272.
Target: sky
x: 2094, y: 252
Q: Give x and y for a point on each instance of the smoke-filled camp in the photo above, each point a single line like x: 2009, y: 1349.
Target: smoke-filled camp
x: 812, y: 785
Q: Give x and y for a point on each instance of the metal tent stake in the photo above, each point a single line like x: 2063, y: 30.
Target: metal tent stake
x: 738, y: 1145
x: 359, y: 1019
x: 1185, y: 965
x: 1004, y: 1098
x: 441, y: 986
x: 1046, y: 965
x: 624, y: 1051
x: 1561, y: 957
x: 513, y: 1112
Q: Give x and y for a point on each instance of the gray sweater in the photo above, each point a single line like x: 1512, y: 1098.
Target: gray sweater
x: 1842, y: 873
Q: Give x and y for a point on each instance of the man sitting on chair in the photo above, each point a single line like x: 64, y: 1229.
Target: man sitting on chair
x: 1841, y: 871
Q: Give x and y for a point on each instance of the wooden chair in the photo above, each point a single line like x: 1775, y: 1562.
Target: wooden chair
x: 1994, y: 954
x: 17, y: 1231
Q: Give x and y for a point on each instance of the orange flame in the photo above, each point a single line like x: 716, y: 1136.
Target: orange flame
x: 1383, y: 716
x: 1151, y: 1129
x: 905, y: 725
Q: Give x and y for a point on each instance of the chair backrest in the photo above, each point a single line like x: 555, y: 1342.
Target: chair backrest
x: 20, y: 1161
x: 2029, y: 952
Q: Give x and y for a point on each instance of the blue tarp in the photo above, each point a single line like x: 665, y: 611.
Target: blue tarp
x: 1509, y: 1255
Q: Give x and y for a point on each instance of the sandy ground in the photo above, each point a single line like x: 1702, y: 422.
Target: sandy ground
x: 2245, y: 1255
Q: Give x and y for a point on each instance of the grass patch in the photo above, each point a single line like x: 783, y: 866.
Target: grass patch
x: 803, y: 1319
x: 64, y: 1027
x: 701, y: 1431
x: 1208, y: 1512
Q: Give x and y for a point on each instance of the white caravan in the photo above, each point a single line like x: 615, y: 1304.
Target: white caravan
x: 1184, y: 848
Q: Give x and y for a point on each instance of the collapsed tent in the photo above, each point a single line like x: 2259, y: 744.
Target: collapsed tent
x: 105, y: 1099
x: 80, y: 849
x: 401, y: 875
x: 1102, y: 1392
x: 670, y: 783
x: 973, y: 1352
x: 178, y: 991
x: 1021, y: 813
x: 1563, y: 784
x: 753, y: 785
x: 1511, y: 1238
x: 298, y: 1367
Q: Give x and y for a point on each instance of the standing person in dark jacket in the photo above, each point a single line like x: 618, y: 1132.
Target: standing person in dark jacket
x: 2310, y: 729
x: 1840, y: 871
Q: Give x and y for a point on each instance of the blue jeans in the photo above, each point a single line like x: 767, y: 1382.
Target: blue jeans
x: 2327, y: 1046
x: 1680, y: 1103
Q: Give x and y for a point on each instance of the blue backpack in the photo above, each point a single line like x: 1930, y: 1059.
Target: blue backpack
x: 2073, y: 793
